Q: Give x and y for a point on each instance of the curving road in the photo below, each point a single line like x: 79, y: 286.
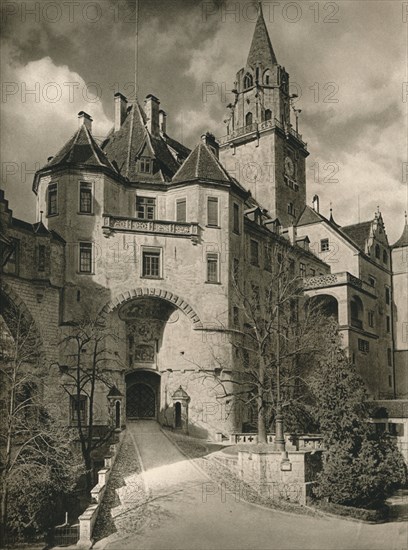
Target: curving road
x: 190, y: 512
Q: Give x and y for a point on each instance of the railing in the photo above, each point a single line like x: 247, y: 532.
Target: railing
x: 66, y: 535
x: 134, y: 225
x: 332, y: 279
x: 295, y: 441
x: 259, y: 127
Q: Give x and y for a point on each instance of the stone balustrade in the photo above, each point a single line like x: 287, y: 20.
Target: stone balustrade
x: 334, y: 279
x: 293, y: 441
x: 259, y: 127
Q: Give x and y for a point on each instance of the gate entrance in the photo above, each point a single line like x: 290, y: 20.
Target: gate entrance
x: 140, y: 401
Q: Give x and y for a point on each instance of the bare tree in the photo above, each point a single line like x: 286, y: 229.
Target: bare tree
x: 31, y: 439
x: 275, y: 334
x: 89, y: 363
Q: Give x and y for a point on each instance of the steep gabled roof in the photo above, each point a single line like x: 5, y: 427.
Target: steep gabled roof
x: 125, y: 147
x: 359, y: 233
x: 309, y: 216
x: 403, y: 240
x: 202, y: 164
x: 261, y: 50
x: 81, y: 149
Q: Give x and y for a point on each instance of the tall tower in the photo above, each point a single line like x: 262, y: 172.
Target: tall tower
x: 261, y: 148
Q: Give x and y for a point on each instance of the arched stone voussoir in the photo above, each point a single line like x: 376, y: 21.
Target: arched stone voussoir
x: 153, y: 292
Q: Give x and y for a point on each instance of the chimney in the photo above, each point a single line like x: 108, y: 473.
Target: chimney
x: 152, y: 107
x: 162, y: 121
x: 120, y: 110
x: 85, y: 120
x: 292, y: 234
x: 316, y: 203
x: 211, y: 142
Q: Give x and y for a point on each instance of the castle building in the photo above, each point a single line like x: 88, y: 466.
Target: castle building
x: 150, y: 234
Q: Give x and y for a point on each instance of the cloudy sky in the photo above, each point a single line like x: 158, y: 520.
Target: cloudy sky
x: 347, y: 61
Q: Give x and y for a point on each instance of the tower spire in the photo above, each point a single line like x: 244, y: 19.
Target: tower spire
x: 261, y: 51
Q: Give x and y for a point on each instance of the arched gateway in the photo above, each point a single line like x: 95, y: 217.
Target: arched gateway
x: 142, y: 395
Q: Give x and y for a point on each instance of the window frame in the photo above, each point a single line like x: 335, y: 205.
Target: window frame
x: 370, y: 315
x: 143, y: 163
x: 52, y: 190
x: 157, y: 252
x: 236, y: 219
x: 252, y: 261
x: 179, y: 202
x: 212, y: 258
x: 85, y: 246
x: 146, y: 206
x: 73, y: 401
x: 90, y: 191
x: 302, y: 270
x: 363, y: 346
x: 323, y: 244
x: 213, y: 200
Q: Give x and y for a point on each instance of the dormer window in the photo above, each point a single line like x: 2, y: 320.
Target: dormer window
x: 145, y: 165
x: 248, y: 81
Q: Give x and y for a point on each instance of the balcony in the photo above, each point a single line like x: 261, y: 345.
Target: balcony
x: 187, y: 230
x: 332, y: 279
x: 240, y: 134
x: 357, y: 323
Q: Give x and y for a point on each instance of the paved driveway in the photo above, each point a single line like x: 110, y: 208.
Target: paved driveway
x: 193, y: 513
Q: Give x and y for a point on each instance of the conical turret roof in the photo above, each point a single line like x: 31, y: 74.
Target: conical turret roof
x: 261, y: 51
x: 403, y: 240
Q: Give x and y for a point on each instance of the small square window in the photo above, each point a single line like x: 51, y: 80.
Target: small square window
x: 52, y: 202
x: 363, y: 345
x: 254, y: 252
x: 371, y: 280
x: 212, y: 268
x: 145, y: 165
x: 85, y: 198
x: 85, y: 257
x: 324, y: 245
x: 151, y: 264
x: 181, y: 210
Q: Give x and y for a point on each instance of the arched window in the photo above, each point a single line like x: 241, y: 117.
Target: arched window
x: 248, y: 119
x: 385, y: 257
x: 377, y: 251
x: 268, y: 114
x: 267, y: 78
x: 248, y: 81
x: 257, y: 74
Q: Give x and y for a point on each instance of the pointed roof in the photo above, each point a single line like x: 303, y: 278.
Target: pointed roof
x: 133, y: 140
x: 202, y: 164
x: 308, y: 216
x: 82, y: 149
x: 359, y: 233
x: 261, y: 50
x: 403, y: 240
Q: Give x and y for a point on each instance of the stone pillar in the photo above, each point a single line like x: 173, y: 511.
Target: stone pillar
x: 181, y: 399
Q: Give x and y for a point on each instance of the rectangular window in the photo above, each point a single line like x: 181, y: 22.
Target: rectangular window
x: 387, y: 295
x: 181, y: 210
x: 52, y: 206
x: 78, y: 407
x: 388, y: 322
x: 145, y: 165
x: 235, y: 273
x: 371, y: 280
x: 389, y: 357
x: 254, y: 252
x: 212, y: 268
x: 145, y: 208
x: 235, y: 315
x: 267, y: 257
x: 85, y: 198
x: 312, y: 272
x: 151, y: 264
x: 291, y: 209
x: 41, y: 257
x: 236, y: 224
x: 302, y: 269
x: 85, y: 257
x: 363, y: 345
x: 324, y: 245
x: 212, y: 211
x: 371, y: 318
x: 12, y: 265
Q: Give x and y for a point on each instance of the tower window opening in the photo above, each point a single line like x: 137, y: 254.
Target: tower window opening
x: 268, y: 114
x: 248, y: 119
x: 248, y: 81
